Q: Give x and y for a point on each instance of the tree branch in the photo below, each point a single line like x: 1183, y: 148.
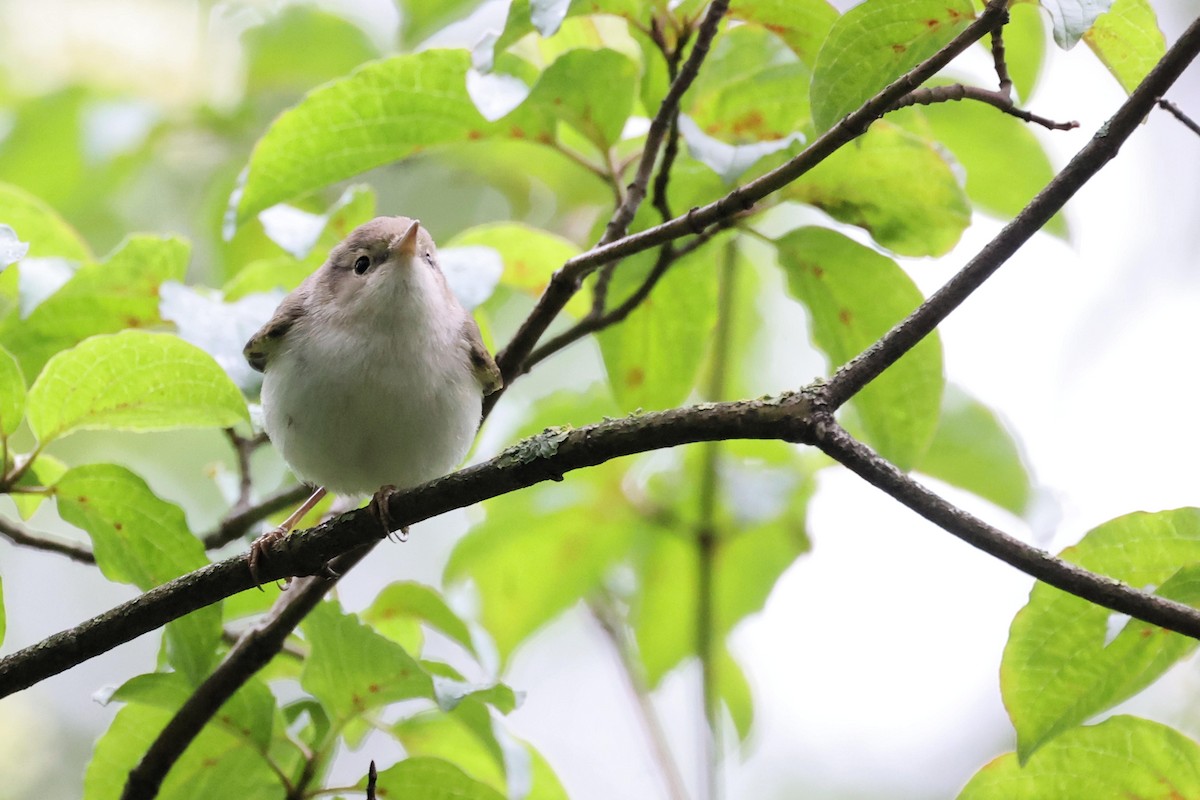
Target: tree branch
x: 20, y: 535
x: 667, y: 256
x: 253, y: 650
x: 1087, y: 162
x: 1176, y: 112
x: 996, y: 99
x: 835, y: 442
x: 237, y: 523
x: 619, y: 224
x: 547, y: 456
x: 566, y: 280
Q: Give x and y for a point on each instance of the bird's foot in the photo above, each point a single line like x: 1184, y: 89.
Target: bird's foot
x: 258, y: 552
x: 379, y: 510
x: 260, y: 546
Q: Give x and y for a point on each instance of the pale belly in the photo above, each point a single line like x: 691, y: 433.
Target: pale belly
x: 351, y: 431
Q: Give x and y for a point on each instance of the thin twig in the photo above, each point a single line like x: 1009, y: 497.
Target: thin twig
x: 372, y: 777
x: 668, y: 255
x: 1175, y: 111
x: 253, y: 650
x: 1086, y: 163
x: 996, y: 99
x: 636, y: 682
x: 20, y: 535
x: 665, y: 120
x: 243, y: 448
x: 566, y: 281
x: 619, y: 224
x: 237, y: 524
x: 1000, y: 62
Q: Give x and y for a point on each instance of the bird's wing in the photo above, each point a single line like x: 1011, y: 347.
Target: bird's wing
x: 262, y: 345
x: 482, y: 364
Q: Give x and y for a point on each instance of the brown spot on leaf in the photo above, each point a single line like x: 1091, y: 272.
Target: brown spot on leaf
x: 81, y: 499
x: 118, y: 526
x: 817, y: 272
x: 845, y: 317
x: 635, y: 377
x: 474, y: 135
x: 545, y: 138
x: 750, y: 122
x: 373, y: 688
x: 898, y: 48
x: 516, y: 132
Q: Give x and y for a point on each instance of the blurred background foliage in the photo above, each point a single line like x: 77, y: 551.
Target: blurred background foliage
x: 196, y: 119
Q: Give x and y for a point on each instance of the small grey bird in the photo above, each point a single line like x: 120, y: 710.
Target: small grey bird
x: 374, y: 373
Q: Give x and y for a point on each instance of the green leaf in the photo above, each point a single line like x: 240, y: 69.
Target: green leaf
x: 1121, y: 757
x: 404, y: 604
x: 12, y: 395
x: 48, y: 234
x: 431, y: 779
x: 382, y: 112
x: 1127, y: 40
x: 215, y: 764
x: 653, y: 357
x: 540, y: 551
x: 589, y: 90
x: 467, y: 738
x: 1059, y: 666
x: 352, y: 669
x: 522, y: 21
x: 248, y: 715
x: 972, y: 450
x: 751, y: 89
x: 801, y: 24
x: 119, y: 293
x: 1005, y: 162
x: 141, y: 539
x: 876, y: 42
x: 926, y: 209
x: 331, y: 45
x: 133, y: 381
x: 854, y: 295
x: 1071, y: 19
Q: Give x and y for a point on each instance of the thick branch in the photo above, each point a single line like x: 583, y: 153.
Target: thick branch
x: 1086, y: 163
x: 566, y: 280
x: 545, y: 457
x: 1098, y: 589
x: 253, y: 650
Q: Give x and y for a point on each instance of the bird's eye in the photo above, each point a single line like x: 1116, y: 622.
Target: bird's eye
x: 362, y: 264
x: 429, y: 258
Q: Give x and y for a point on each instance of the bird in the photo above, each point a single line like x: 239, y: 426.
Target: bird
x: 373, y: 373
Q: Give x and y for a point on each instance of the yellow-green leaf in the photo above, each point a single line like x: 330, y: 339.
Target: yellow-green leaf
x: 1127, y: 40
x: 134, y: 381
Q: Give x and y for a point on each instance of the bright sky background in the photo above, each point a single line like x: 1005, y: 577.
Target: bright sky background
x: 875, y: 664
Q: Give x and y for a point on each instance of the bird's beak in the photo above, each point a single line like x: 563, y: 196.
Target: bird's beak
x: 406, y: 243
